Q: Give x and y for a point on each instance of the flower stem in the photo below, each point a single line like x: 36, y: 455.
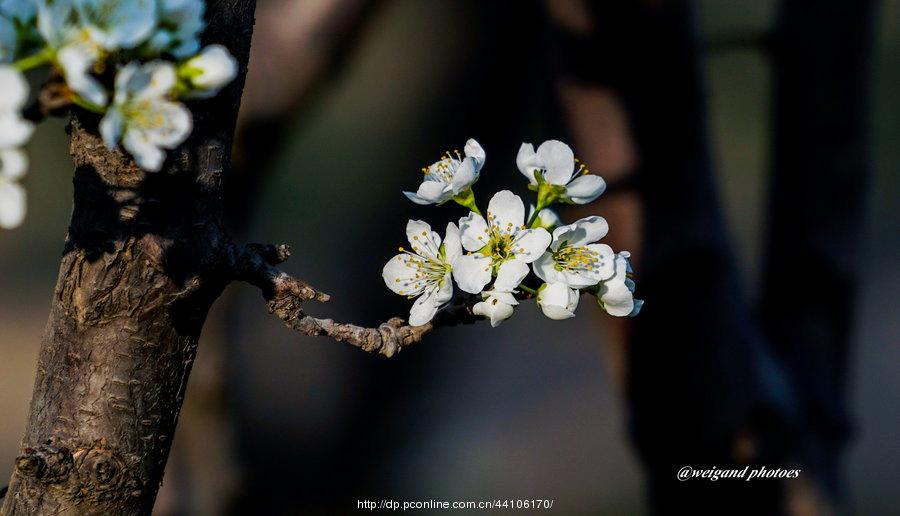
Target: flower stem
x: 534, y: 216
x: 83, y: 103
x: 527, y: 290
x: 467, y: 198
x: 27, y: 63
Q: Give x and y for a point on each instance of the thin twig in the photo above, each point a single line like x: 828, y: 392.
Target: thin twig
x: 284, y: 294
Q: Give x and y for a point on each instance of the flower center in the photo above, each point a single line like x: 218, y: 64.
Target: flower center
x: 501, y: 244
x: 444, y: 168
x: 575, y: 259
x: 141, y: 114
x: 429, y: 272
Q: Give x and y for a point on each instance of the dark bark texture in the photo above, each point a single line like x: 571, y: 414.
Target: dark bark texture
x: 145, y: 256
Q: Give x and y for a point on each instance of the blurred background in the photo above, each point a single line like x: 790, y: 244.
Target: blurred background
x: 750, y: 147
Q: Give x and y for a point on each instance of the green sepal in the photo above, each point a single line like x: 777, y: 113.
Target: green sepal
x: 466, y: 198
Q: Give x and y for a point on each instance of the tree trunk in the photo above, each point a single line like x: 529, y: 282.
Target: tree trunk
x: 145, y: 257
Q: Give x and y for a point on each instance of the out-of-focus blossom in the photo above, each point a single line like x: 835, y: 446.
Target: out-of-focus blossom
x: 208, y: 72
x: 143, y: 115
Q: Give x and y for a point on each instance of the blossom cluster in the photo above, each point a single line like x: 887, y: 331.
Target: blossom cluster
x: 131, y: 61
x: 501, y: 256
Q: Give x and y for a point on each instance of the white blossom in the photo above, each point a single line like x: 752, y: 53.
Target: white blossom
x: 502, y: 238
x: 116, y: 24
x: 13, y: 164
x: 557, y: 301
x: 180, y: 25
x: 209, y: 71
x: 555, y: 163
x: 22, y: 11
x: 498, y: 303
x: 616, y: 295
x: 143, y: 116
x: 77, y: 60
x: 14, y: 130
x: 573, y: 258
x: 76, y: 51
x: 425, y: 271
x: 452, y: 175
x: 82, y: 31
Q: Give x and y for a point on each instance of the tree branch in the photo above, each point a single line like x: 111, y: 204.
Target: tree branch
x: 256, y: 264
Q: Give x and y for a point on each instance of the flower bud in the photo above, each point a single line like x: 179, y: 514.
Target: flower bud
x: 208, y: 72
x: 557, y: 301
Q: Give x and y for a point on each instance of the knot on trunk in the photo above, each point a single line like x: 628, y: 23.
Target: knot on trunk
x: 95, y: 474
x: 47, y: 464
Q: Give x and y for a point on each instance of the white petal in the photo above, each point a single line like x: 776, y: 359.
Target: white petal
x: 187, y: 18
x: 606, y: 260
x: 473, y: 231
x: 559, y: 161
x: 12, y: 204
x: 111, y: 128
x: 148, y: 156
x: 416, y: 199
x: 160, y: 79
x: 76, y: 58
x: 578, y: 279
x: 423, y: 309
x: 506, y: 212
x: 530, y: 244
x: 494, y: 309
x: 218, y: 67
x: 558, y: 301
x: 526, y: 160
x: 452, y: 244
x: 544, y: 268
x: 420, y: 237
x: 504, y: 297
x: 586, y: 188
x: 472, y: 272
x: 510, y: 274
x: 434, y: 192
x: 13, y: 164
x: 581, y: 232
x: 21, y: 10
x: 445, y: 291
x: 118, y: 23
x: 89, y: 88
x: 616, y: 298
x: 14, y: 88
x: 53, y: 20
x: 473, y: 150
x: 464, y: 176
x: 614, y: 294
x: 397, y: 275
x: 557, y: 313
x: 14, y: 130
x: 175, y: 124
x: 129, y: 79
x: 76, y: 61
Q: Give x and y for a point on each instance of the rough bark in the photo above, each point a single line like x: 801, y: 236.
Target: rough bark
x: 144, y: 258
